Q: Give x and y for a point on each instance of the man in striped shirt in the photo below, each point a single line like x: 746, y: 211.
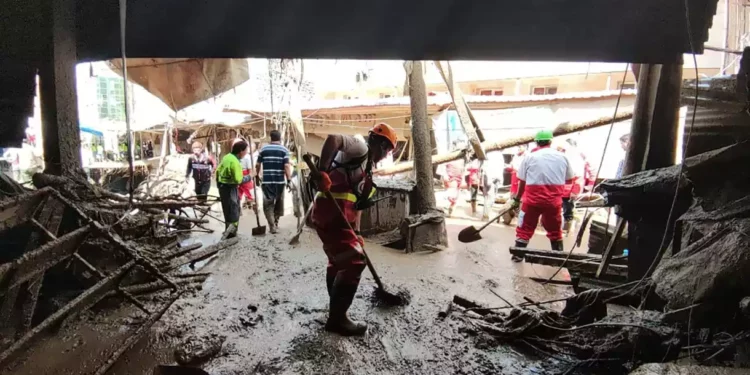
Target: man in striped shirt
x: 274, y: 166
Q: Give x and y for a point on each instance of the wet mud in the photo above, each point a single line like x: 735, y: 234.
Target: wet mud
x: 267, y: 301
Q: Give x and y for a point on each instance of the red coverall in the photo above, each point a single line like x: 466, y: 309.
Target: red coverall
x: 546, y: 171
x: 346, y: 260
x: 246, y: 189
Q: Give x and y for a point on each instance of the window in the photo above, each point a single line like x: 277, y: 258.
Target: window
x: 626, y: 86
x: 491, y: 92
x: 544, y: 90
x: 384, y: 96
x: 110, y: 99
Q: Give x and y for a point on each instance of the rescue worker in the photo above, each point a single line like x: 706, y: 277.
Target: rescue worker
x: 473, y: 179
x: 201, y: 167
x: 228, y: 178
x: 346, y: 164
x: 513, y: 167
x: 246, y: 188
x: 542, y: 177
x: 274, y: 166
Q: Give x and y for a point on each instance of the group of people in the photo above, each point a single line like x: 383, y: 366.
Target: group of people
x: 236, y: 174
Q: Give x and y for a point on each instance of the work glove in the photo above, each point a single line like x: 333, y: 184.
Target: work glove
x: 324, y: 182
x: 515, y: 203
x: 247, y: 179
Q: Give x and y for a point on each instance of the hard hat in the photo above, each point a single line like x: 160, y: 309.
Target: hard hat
x: 385, y: 130
x: 543, y: 135
x: 237, y: 140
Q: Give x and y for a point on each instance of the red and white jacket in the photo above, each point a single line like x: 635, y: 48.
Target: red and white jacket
x: 546, y: 172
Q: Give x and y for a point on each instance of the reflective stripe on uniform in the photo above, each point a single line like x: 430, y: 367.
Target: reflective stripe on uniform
x: 343, y: 196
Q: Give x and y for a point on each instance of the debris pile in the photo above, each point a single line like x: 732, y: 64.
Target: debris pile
x: 691, y: 291
x: 69, y: 244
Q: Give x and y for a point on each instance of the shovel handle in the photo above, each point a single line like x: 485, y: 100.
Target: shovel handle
x: 315, y: 173
x: 502, y: 212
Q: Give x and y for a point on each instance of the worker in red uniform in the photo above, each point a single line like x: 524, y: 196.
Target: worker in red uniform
x: 473, y: 179
x: 346, y: 164
x: 513, y: 167
x: 542, y: 176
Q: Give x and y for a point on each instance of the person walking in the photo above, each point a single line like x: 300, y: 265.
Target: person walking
x: 542, y: 177
x: 273, y: 162
x: 246, y: 188
x: 228, y: 178
x: 346, y: 164
x: 200, y: 167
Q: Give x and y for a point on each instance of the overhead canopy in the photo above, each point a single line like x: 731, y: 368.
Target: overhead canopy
x: 181, y: 83
x: 559, y: 30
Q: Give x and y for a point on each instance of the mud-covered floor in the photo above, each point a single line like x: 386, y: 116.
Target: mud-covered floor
x: 286, y: 285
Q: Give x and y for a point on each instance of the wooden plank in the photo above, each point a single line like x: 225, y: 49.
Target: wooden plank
x: 18, y: 209
x: 200, y: 255
x: 80, y: 303
x: 467, y: 120
x: 523, y: 251
x: 607, y: 256
x: 36, y: 262
x: 577, y: 265
x: 561, y: 129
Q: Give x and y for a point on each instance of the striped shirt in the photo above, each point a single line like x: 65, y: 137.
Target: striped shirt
x: 273, y: 157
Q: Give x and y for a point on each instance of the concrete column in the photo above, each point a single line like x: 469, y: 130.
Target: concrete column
x: 57, y: 87
x: 421, y: 139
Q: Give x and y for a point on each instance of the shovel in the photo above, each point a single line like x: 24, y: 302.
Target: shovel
x: 260, y: 229
x: 471, y: 234
x: 402, y: 298
x: 301, y: 226
x: 178, y: 370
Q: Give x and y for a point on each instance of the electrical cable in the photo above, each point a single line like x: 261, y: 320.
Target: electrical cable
x: 662, y: 249
x: 601, y: 162
x: 128, y: 131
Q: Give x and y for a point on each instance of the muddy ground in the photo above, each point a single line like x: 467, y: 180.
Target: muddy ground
x: 268, y: 301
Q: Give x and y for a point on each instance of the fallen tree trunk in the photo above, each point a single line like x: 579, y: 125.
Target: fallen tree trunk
x: 510, y: 142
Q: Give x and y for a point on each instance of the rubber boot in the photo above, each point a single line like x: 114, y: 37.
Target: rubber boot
x: 557, y: 245
x: 516, y: 258
x: 338, y: 320
x: 329, y: 283
x: 270, y: 219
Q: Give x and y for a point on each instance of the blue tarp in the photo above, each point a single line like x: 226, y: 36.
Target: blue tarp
x: 91, y: 131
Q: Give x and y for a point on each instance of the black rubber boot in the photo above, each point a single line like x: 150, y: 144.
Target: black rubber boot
x: 557, y: 245
x: 516, y: 258
x: 338, y: 320
x: 329, y: 283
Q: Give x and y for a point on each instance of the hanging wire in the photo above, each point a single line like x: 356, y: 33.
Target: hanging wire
x: 128, y: 131
x: 601, y: 162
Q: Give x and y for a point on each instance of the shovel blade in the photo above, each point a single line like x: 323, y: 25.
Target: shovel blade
x: 469, y: 234
x: 257, y: 231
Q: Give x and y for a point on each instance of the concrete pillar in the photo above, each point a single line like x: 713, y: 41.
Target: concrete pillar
x: 57, y: 88
x: 421, y: 139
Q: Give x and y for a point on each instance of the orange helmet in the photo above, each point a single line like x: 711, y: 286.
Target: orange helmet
x: 385, y: 130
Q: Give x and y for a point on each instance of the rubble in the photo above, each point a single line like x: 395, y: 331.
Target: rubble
x: 82, y: 244
x: 195, y: 349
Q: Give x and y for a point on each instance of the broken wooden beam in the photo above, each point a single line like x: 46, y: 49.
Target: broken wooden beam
x: 467, y: 120
x: 607, y: 255
x: 38, y: 261
x: 162, y: 205
x: 83, y: 301
x: 156, y: 286
x: 561, y: 129
x: 470, y: 304
x: 200, y: 255
x: 18, y: 209
x: 577, y: 265
x: 523, y: 251
x: 183, y: 250
x: 137, y: 335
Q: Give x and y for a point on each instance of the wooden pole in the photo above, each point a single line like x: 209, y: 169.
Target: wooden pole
x: 420, y: 133
x: 57, y: 89
x: 468, y: 122
x: 645, y: 100
x: 662, y: 151
x: 512, y: 142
